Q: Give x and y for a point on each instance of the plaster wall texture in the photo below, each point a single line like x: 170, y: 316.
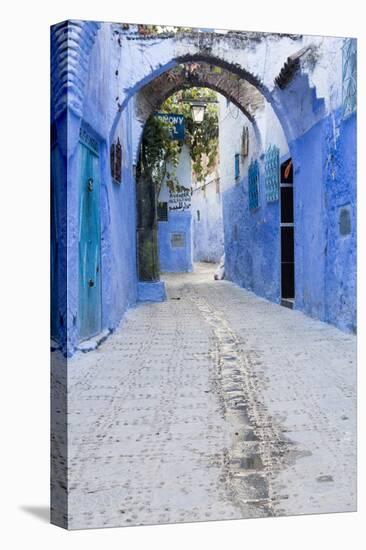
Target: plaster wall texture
x: 151, y: 291
x: 324, y: 185
x: 208, y: 234
x: 117, y: 201
x: 177, y: 258
x: 208, y: 229
x: 259, y: 56
x: 341, y: 246
x: 252, y: 239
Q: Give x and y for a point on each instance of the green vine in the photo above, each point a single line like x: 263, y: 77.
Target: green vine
x: 159, y: 151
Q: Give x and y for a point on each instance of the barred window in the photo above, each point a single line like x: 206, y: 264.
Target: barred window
x: 253, y: 185
x: 162, y: 211
x: 272, y: 173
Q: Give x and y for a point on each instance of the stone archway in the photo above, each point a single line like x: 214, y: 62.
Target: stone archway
x: 199, y: 75
x: 272, y: 64
x: 237, y: 54
x: 236, y: 89
x: 283, y: 80
x: 183, y: 76
x: 238, y: 84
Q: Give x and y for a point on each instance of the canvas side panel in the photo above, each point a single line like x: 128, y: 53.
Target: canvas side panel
x: 58, y: 215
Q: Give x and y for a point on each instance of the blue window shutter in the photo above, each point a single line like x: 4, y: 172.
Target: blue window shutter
x: 253, y: 185
x: 237, y: 166
x: 272, y: 173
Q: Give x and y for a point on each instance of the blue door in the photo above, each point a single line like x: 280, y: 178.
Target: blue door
x: 90, y: 318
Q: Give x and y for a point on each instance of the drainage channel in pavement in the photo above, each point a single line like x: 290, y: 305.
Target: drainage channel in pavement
x: 259, y: 448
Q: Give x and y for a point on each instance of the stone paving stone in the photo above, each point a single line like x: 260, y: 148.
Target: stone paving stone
x: 218, y: 405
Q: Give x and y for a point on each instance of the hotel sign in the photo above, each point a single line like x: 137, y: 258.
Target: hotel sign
x: 176, y: 123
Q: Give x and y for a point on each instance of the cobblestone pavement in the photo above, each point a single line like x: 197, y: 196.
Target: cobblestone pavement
x: 215, y: 404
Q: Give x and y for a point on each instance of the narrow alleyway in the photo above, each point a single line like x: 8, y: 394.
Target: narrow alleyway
x: 215, y: 404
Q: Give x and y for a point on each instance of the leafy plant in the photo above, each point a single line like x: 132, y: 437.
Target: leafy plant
x: 159, y: 152
x: 152, y: 30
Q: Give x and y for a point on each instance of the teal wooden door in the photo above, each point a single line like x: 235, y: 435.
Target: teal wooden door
x: 90, y: 318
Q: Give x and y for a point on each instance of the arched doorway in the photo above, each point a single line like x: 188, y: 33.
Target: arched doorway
x: 250, y: 101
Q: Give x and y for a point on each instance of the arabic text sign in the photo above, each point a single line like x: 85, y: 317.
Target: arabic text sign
x: 176, y: 124
x: 180, y: 200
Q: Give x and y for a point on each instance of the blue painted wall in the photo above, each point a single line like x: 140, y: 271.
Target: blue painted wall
x: 119, y: 235
x: 118, y: 230
x: 324, y: 184
x: 171, y: 258
x: 58, y: 240
x: 252, y: 241
x: 310, y: 222
x: 176, y: 259
x: 325, y: 260
x: 118, y: 201
x: 208, y: 230
x: 340, y: 189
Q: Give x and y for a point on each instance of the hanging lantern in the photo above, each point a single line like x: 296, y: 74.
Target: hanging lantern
x: 198, y: 111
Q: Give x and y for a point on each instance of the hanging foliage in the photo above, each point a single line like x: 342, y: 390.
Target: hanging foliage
x: 160, y: 154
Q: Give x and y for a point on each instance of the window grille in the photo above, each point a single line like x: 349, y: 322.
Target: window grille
x: 253, y: 184
x: 87, y: 139
x: 162, y: 211
x: 349, y: 76
x: 272, y: 173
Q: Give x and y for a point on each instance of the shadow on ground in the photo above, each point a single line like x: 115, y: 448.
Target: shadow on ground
x: 40, y: 512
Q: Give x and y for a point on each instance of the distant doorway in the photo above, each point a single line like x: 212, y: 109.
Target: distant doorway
x: 287, y: 234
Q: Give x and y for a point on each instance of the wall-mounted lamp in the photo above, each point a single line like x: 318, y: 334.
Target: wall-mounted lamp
x: 198, y: 111
x: 198, y: 107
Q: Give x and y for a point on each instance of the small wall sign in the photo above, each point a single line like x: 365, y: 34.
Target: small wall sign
x: 180, y: 199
